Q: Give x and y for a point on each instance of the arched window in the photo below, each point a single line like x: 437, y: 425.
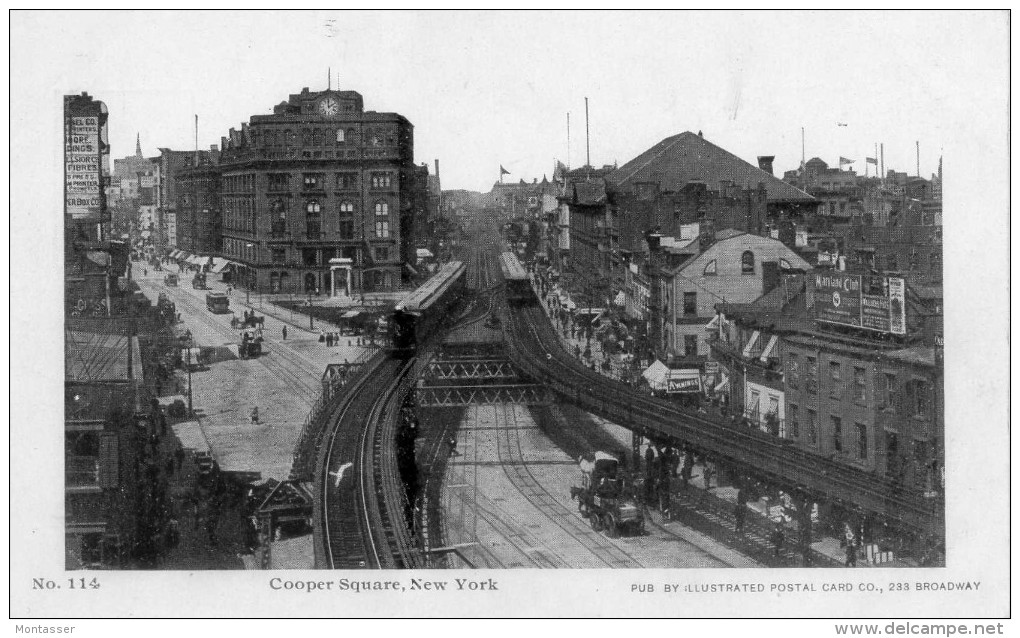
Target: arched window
x: 306, y: 137
x: 313, y: 220
x: 339, y: 136
x: 350, y: 135
x: 279, y: 218
x: 382, y: 222
x: 346, y: 225
x: 710, y: 268
x: 747, y: 263
x: 317, y: 137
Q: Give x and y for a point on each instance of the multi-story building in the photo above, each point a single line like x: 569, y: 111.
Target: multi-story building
x: 168, y: 164
x: 848, y: 381
x: 321, y: 188
x: 689, y: 276
x: 198, y: 217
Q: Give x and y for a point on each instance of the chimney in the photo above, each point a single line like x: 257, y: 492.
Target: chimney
x: 765, y: 163
x: 437, y: 168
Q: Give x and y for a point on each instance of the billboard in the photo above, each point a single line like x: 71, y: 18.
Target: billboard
x: 687, y: 380
x: 838, y: 298
x: 85, y: 146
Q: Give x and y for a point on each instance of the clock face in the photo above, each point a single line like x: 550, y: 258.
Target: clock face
x: 329, y: 106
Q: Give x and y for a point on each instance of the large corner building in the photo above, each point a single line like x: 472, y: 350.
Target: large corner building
x: 320, y: 190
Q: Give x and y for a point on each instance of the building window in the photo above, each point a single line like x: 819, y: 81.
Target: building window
x: 279, y: 255
x: 710, y: 268
x: 382, y: 253
x: 313, y: 220
x: 747, y: 263
x: 918, y: 395
x: 812, y: 426
x: 340, y: 136
x: 380, y: 180
x: 891, y: 262
x: 812, y: 374
x: 690, y: 303
x: 791, y: 412
x: 862, y: 441
x: 313, y: 181
x: 889, y: 391
x: 836, y: 386
x: 279, y: 182
x: 860, y: 387
x: 310, y: 256
x: 793, y: 371
x: 346, y: 180
x: 837, y: 433
x: 382, y: 224
x: 690, y: 345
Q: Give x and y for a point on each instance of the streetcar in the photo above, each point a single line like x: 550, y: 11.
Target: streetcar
x: 217, y: 302
x: 417, y: 317
x: 518, y: 285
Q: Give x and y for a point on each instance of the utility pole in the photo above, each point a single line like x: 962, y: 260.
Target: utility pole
x: 568, y: 140
x: 918, y: 143
x: 587, y: 140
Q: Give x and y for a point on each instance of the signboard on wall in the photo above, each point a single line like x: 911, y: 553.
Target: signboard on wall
x: 897, y: 306
x: 688, y: 380
x: 875, y: 313
x: 838, y: 298
x: 85, y: 147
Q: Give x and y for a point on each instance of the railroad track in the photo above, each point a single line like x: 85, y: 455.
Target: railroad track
x: 511, y: 457
x: 543, y: 357
x: 361, y: 513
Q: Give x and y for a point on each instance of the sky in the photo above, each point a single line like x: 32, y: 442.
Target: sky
x: 494, y: 88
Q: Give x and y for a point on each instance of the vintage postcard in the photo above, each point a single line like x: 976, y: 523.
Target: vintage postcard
x: 542, y: 313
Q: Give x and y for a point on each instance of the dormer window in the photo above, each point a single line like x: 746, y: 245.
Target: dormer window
x: 710, y: 268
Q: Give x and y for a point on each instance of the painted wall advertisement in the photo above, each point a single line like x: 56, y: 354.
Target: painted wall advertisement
x: 838, y: 298
x: 84, y: 149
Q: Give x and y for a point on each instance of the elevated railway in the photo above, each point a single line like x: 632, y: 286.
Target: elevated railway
x: 535, y: 350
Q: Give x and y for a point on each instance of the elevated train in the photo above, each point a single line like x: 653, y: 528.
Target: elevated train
x: 417, y: 317
x: 518, y: 286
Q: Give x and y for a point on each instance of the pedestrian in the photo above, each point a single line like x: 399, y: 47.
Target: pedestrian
x: 329, y: 339
x: 688, y: 469
x: 255, y: 415
x: 179, y: 457
x: 649, y: 460
x: 739, y: 512
x: 851, y: 554
x: 145, y: 272
x: 284, y: 333
x: 707, y: 474
x: 777, y: 540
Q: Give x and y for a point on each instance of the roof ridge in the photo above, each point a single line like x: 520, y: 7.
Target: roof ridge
x: 675, y: 138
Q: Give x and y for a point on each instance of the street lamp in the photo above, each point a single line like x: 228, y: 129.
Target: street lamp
x: 311, y: 317
x: 248, y: 284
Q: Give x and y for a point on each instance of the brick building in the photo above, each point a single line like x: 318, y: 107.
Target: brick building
x: 318, y: 180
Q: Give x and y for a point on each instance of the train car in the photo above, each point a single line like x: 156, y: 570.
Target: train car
x: 217, y: 302
x: 518, y: 287
x: 418, y: 315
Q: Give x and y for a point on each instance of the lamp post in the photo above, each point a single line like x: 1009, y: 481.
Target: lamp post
x: 191, y: 411
x: 248, y: 283
x: 311, y: 317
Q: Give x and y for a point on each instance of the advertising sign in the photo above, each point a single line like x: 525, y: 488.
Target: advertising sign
x: 84, y: 147
x: 838, y: 298
x: 897, y: 306
x: 875, y: 313
x: 683, y: 381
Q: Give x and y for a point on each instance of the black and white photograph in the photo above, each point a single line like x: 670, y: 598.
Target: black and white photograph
x: 526, y: 313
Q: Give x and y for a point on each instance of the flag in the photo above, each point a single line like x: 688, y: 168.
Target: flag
x: 843, y: 161
x: 871, y: 160
x: 503, y: 171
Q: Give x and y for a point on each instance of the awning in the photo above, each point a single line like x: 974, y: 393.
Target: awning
x: 713, y: 324
x: 684, y: 380
x: 750, y: 343
x: 723, y: 386
x: 768, y: 349
x: 411, y: 269
x: 219, y: 265
x: 350, y: 314
x: 620, y: 299
x: 656, y: 375
x: 424, y: 253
